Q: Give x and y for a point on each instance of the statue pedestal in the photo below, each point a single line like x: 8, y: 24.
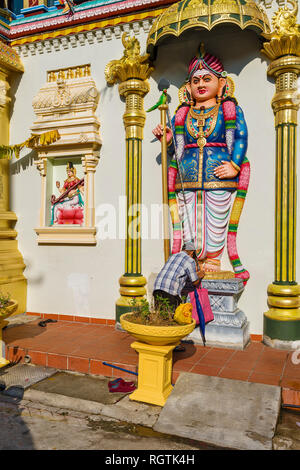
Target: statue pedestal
x: 230, y: 327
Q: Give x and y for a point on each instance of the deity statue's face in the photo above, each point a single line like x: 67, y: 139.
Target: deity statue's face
x: 205, y: 87
x: 70, y: 173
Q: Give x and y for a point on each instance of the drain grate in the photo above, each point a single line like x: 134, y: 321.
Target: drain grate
x: 17, y: 378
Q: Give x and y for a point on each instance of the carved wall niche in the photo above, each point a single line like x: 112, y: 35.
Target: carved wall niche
x: 67, y: 103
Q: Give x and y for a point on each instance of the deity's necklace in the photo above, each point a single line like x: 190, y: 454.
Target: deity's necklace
x: 201, y: 117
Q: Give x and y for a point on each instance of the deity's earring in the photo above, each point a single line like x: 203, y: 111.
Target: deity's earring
x: 189, y: 100
x: 219, y: 99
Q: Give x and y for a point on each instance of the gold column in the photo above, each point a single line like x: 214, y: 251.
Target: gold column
x: 132, y: 71
x: 282, y: 320
x: 12, y: 279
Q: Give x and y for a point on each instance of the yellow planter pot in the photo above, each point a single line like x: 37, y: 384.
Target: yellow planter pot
x: 3, y: 315
x: 156, y: 335
x: 155, y: 346
x: 9, y: 310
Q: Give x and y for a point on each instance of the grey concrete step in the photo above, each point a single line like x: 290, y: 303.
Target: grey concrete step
x: 223, y: 412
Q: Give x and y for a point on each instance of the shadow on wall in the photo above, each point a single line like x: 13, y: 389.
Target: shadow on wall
x: 14, y: 85
x: 33, y: 279
x: 23, y: 163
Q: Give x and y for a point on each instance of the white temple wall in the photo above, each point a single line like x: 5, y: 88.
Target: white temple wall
x: 83, y: 280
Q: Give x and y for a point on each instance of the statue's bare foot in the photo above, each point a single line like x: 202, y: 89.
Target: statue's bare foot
x: 211, y: 267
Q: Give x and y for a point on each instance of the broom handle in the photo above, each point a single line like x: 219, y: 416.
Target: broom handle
x: 119, y: 368
x: 180, y: 178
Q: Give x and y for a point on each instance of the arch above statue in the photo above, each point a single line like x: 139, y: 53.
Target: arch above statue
x: 206, y: 14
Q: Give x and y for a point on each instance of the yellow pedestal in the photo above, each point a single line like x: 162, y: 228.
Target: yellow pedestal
x: 155, y: 373
x: 3, y: 361
x: 10, y: 310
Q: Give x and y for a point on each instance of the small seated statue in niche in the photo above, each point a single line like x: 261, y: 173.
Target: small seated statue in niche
x: 68, y: 207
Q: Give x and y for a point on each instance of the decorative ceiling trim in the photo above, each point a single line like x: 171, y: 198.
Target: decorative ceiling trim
x: 42, y: 24
x: 89, y: 33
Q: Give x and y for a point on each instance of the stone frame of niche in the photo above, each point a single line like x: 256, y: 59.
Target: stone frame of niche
x: 67, y: 103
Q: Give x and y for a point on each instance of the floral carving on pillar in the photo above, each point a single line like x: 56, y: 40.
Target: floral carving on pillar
x: 285, y: 37
x: 131, y: 65
x: 4, y: 98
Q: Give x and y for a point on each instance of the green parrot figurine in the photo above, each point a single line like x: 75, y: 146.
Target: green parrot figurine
x: 162, y: 100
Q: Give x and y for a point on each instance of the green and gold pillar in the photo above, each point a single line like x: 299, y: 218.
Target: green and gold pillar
x: 12, y: 279
x: 282, y: 320
x: 132, y: 71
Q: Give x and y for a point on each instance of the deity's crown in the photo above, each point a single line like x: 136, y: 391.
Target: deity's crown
x: 208, y: 62
x: 71, y: 167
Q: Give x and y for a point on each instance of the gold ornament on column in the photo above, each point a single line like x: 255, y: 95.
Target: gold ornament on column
x: 282, y: 320
x: 132, y: 72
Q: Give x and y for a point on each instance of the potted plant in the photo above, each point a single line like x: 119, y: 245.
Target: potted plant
x: 8, y: 306
x: 158, y: 325
x: 158, y: 330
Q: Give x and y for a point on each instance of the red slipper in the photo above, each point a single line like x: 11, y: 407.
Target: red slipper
x: 114, y: 383
x: 123, y: 387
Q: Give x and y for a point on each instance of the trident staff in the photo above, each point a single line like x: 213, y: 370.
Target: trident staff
x: 162, y: 105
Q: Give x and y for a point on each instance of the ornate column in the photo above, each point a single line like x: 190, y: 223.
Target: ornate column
x: 41, y: 164
x: 132, y: 71
x: 90, y: 162
x: 12, y: 265
x: 282, y: 320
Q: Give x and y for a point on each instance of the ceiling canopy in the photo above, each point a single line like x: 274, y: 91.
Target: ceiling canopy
x: 206, y: 14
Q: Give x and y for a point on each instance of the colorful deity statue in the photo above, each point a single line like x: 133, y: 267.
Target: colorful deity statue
x: 208, y: 137
x: 68, y: 207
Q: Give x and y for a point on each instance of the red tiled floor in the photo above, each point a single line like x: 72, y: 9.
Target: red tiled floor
x: 57, y: 361
x: 98, y: 368
x: 182, y: 367
x: 290, y: 396
x: 78, y: 364
x: 291, y: 384
x: 269, y: 379
x: 204, y: 369
x: 271, y: 361
x: 237, y: 374
x: 292, y: 370
x: 83, y: 347
x: 191, y: 355
x: 39, y: 358
x: 217, y: 356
